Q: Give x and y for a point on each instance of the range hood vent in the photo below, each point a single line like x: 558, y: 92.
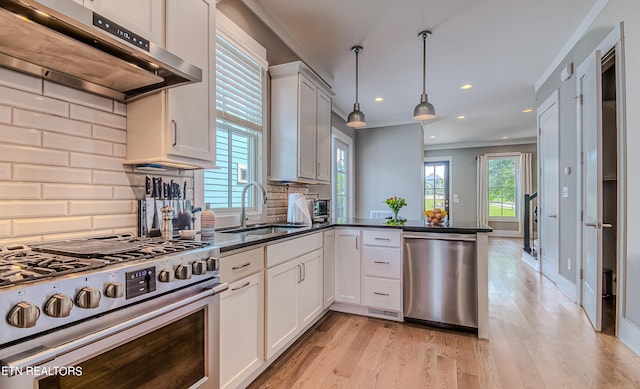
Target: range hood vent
x: 64, y: 42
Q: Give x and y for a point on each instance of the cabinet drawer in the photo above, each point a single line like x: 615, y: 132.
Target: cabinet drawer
x: 381, y: 237
x: 381, y: 262
x: 381, y: 293
x: 237, y: 266
x: 284, y: 251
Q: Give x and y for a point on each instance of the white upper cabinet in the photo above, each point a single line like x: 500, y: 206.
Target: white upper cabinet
x: 177, y: 127
x: 144, y: 17
x: 300, y: 122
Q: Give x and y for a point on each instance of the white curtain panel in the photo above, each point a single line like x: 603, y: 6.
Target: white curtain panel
x: 482, y: 198
x: 526, y: 185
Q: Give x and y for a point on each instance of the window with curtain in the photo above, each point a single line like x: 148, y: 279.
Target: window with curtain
x: 239, y: 120
x: 502, y: 187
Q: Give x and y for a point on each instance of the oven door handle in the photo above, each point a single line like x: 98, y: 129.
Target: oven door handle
x: 43, y: 354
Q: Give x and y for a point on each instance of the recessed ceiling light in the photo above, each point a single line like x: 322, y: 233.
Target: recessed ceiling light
x: 432, y: 137
x: 505, y: 137
x: 461, y: 117
x: 466, y: 86
x: 378, y: 99
x: 527, y: 110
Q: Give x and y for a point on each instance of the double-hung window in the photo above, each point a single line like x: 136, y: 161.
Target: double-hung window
x: 240, y: 102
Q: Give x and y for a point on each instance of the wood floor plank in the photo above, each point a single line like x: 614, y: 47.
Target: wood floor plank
x: 538, y: 339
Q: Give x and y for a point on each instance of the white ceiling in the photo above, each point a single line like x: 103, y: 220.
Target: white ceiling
x: 501, y: 47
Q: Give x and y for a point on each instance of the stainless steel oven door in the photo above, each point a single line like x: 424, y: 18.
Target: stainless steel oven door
x: 172, y: 344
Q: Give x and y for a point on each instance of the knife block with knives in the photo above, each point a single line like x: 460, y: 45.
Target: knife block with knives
x: 159, y: 194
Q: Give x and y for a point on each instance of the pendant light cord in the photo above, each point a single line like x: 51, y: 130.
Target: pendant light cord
x: 357, y: 52
x: 424, y: 63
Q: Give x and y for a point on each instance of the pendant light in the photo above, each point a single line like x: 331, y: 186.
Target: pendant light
x: 424, y: 110
x: 356, y: 118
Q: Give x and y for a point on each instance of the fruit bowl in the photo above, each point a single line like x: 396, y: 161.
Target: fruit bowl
x: 436, y: 216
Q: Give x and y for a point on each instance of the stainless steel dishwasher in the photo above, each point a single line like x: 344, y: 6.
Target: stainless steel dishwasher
x: 440, y: 281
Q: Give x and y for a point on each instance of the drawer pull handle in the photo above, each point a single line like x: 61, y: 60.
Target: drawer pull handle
x: 381, y: 294
x: 241, y: 266
x: 387, y: 239
x: 382, y: 262
x: 241, y: 287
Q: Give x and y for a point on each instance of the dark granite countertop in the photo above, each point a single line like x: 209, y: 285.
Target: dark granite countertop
x: 233, y: 241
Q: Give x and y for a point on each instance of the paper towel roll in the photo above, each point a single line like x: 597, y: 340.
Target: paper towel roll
x: 298, y: 210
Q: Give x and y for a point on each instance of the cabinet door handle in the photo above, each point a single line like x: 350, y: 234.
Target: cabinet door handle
x: 299, y: 274
x: 242, y: 287
x: 356, y: 242
x: 175, y: 132
x: 317, y: 169
x: 387, y: 239
x: 382, y: 262
x: 304, y: 271
x: 241, y: 266
x: 381, y: 294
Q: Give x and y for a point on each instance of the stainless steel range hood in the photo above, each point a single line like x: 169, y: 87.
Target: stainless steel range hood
x: 64, y: 42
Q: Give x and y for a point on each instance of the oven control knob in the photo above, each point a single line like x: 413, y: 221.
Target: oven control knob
x: 199, y: 267
x: 58, y: 305
x: 23, y: 315
x: 114, y: 290
x: 212, y: 264
x: 183, y: 272
x: 88, y: 298
x: 165, y: 276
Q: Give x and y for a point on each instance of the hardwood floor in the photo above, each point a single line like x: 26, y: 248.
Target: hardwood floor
x: 538, y: 339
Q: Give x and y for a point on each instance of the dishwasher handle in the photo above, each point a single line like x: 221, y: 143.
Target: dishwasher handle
x: 440, y: 236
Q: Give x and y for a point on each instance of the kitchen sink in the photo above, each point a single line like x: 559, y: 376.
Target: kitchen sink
x: 263, y: 229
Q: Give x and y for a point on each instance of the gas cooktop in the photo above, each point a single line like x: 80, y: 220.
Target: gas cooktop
x: 20, y: 263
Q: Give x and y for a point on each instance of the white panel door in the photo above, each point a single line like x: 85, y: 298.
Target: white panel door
x: 282, y: 305
x: 307, y: 167
x: 590, y: 85
x: 347, y: 269
x: 329, y: 267
x: 310, y: 293
x: 549, y: 223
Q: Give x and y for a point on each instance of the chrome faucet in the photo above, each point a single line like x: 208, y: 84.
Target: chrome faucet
x: 243, y: 214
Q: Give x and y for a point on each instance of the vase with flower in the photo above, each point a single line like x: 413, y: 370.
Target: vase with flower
x: 395, y: 203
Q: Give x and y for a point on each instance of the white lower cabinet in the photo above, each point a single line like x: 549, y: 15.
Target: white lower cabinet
x: 368, y: 272
x: 294, y: 290
x: 241, y: 317
x: 347, y: 266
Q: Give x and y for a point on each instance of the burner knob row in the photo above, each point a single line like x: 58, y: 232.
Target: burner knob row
x: 185, y: 271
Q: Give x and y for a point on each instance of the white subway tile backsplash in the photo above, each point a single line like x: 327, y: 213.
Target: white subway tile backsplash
x: 77, y: 96
x: 110, y: 134
x: 52, y: 123
x: 55, y: 225
x: 20, y: 191
x: 70, y: 191
x: 39, y: 103
x: 119, y: 108
x: 25, y: 154
x: 119, y: 150
x: 20, y: 81
x: 75, y: 235
x: 90, y: 161
x: 127, y: 193
x: 114, y: 221
x: 74, y: 143
x: 5, y: 114
x: 5, y: 229
x: 37, y: 173
x: 5, y: 171
x: 24, y: 209
x: 19, y: 135
x: 98, y: 117
x: 101, y: 177
x: 80, y: 207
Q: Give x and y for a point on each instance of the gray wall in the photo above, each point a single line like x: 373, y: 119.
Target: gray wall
x: 389, y: 163
x: 628, y: 12
x: 464, y: 177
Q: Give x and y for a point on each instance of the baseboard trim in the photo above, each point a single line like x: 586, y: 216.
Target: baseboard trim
x: 531, y: 261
